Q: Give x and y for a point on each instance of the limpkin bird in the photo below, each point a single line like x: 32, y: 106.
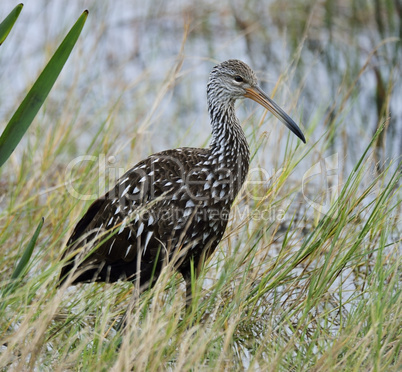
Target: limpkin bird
x: 174, y: 205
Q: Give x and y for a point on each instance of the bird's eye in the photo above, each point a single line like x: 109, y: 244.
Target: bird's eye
x: 239, y: 79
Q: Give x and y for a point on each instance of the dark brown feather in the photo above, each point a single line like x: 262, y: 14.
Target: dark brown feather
x: 160, y: 200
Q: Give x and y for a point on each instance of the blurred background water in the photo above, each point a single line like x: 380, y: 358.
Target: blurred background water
x: 334, y: 66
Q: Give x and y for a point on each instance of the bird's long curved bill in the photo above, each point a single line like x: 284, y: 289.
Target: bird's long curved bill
x: 258, y: 95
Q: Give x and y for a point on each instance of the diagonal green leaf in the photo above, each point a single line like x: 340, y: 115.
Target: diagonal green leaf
x: 22, y: 264
x: 31, y: 104
x: 8, y: 23
x: 27, y: 252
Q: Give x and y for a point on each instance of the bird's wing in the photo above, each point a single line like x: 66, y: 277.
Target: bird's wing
x: 135, y: 216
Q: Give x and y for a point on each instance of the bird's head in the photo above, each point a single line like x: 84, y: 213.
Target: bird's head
x: 233, y: 79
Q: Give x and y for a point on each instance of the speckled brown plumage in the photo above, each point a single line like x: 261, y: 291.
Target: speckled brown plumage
x: 173, y: 205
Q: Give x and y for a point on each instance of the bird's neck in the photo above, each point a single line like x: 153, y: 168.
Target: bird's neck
x: 229, y: 148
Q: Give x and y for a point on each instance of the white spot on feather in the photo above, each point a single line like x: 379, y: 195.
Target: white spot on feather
x: 111, y: 246
x: 149, y: 235
x: 187, y: 212
x: 140, y: 229
x: 122, y: 226
x: 125, y: 190
x: 128, y: 250
x: 189, y: 204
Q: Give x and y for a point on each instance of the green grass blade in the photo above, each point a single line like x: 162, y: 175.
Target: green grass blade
x: 31, y: 104
x: 18, y: 271
x: 8, y: 23
x: 27, y: 252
